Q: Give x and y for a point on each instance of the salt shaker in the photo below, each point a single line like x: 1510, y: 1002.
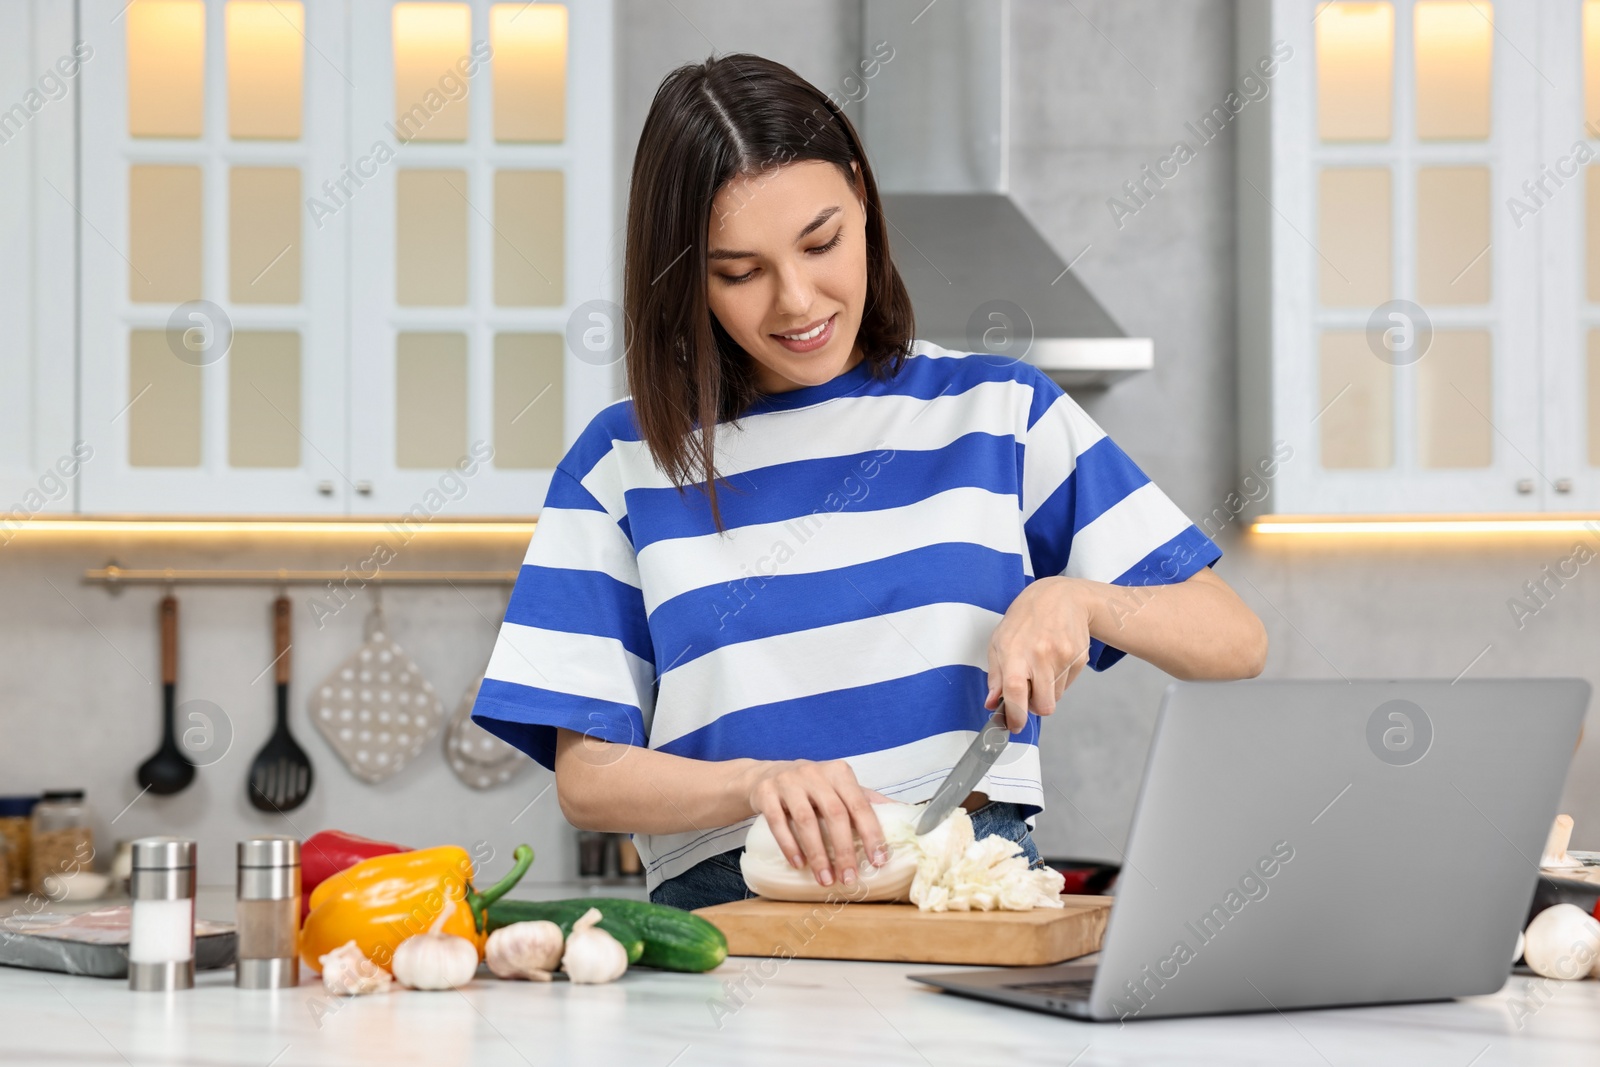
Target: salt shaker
x: 268, y: 911
x: 161, y: 938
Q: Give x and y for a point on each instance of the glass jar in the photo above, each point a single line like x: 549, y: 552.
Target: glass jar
x: 63, y: 840
x: 16, y: 826
x: 5, y: 865
x: 591, y: 854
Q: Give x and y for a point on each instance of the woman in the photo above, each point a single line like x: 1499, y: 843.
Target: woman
x: 795, y: 571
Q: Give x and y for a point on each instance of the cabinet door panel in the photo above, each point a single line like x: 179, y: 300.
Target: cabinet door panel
x: 481, y: 231
x: 1406, y: 379
x: 214, y: 300
x: 1565, y: 205
x: 39, y: 467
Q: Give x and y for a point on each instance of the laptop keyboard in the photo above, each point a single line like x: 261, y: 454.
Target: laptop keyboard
x: 1075, y: 989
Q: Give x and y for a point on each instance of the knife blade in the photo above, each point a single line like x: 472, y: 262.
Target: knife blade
x: 968, y: 771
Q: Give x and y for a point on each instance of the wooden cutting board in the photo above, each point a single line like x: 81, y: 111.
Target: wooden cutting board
x: 906, y: 934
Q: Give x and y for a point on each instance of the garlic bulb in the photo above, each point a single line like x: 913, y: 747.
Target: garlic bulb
x: 347, y: 972
x: 592, y: 955
x: 943, y: 870
x: 1563, y: 941
x: 435, y: 961
x: 769, y: 875
x: 524, y: 950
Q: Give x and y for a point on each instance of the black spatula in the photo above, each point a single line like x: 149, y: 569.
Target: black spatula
x: 280, y: 777
x: 169, y: 770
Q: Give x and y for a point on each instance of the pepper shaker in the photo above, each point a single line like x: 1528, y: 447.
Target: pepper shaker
x: 268, y: 912
x: 161, y: 929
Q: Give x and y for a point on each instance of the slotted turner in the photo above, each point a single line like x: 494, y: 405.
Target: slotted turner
x: 280, y: 777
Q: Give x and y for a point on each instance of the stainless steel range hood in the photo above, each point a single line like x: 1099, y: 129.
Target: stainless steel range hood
x: 937, y: 125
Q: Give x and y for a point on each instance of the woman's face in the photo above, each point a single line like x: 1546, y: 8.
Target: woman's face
x: 787, y: 256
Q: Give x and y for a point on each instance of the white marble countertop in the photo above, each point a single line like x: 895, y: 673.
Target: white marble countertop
x: 808, y: 1012
x: 795, y: 1012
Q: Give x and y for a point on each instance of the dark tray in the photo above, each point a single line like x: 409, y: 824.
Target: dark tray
x: 45, y: 942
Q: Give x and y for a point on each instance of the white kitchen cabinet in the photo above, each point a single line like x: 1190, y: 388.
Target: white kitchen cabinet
x: 250, y: 169
x: 1379, y: 162
x: 41, y: 459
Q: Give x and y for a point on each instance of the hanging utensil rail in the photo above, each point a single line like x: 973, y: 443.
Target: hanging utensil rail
x: 113, y: 576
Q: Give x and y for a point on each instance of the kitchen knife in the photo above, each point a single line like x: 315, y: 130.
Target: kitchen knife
x: 968, y: 771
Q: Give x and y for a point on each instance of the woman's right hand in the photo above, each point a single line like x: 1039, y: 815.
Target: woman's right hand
x: 812, y: 807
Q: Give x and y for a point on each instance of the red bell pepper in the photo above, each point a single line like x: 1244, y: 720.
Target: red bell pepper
x: 328, y: 852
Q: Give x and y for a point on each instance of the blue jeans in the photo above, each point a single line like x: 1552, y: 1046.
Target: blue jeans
x: 717, y: 879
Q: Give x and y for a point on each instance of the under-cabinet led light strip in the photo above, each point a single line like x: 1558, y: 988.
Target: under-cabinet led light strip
x: 1425, y: 526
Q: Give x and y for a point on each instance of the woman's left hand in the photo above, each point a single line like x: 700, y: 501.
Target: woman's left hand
x: 1039, y: 647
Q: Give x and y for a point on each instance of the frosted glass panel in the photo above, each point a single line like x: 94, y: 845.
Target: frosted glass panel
x: 166, y: 68
x: 1453, y: 254
x: 430, y: 88
x: 1454, y: 403
x: 1354, y: 237
x: 1357, y: 404
x: 264, y: 399
x: 1355, y: 71
x: 264, y: 235
x: 430, y: 401
x: 1594, y: 398
x: 164, y: 233
x: 164, y: 404
x: 1454, y: 53
x: 527, y: 400
x: 530, y: 71
x: 1592, y: 215
x: 529, y: 216
x: 431, y: 238
x: 266, y: 61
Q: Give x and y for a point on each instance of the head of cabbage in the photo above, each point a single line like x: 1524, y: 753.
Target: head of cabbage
x: 768, y: 874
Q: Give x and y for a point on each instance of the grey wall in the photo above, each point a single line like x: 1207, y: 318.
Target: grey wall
x: 1104, y: 87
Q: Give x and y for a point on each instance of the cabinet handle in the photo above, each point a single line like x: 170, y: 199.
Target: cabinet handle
x: 325, y: 487
x: 364, y: 488
x: 1563, y: 485
x: 1524, y: 485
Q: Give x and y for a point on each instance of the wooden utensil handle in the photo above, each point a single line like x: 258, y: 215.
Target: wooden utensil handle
x: 169, y: 639
x: 280, y: 634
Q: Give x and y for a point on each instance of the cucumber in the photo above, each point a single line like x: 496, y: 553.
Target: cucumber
x: 563, y: 913
x: 673, y: 939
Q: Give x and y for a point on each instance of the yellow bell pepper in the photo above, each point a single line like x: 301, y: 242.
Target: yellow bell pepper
x: 381, y: 901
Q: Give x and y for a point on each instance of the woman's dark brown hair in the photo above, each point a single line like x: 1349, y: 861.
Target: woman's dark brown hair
x: 731, y: 117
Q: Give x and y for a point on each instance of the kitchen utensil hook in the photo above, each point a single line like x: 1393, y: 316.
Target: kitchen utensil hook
x: 375, y: 624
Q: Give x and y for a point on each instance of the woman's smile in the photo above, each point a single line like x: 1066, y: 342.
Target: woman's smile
x: 810, y: 338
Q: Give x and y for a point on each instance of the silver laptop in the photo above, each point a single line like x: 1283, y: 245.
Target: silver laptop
x: 1302, y: 844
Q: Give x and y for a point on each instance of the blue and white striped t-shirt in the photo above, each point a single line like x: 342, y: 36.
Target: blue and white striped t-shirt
x: 876, y: 532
